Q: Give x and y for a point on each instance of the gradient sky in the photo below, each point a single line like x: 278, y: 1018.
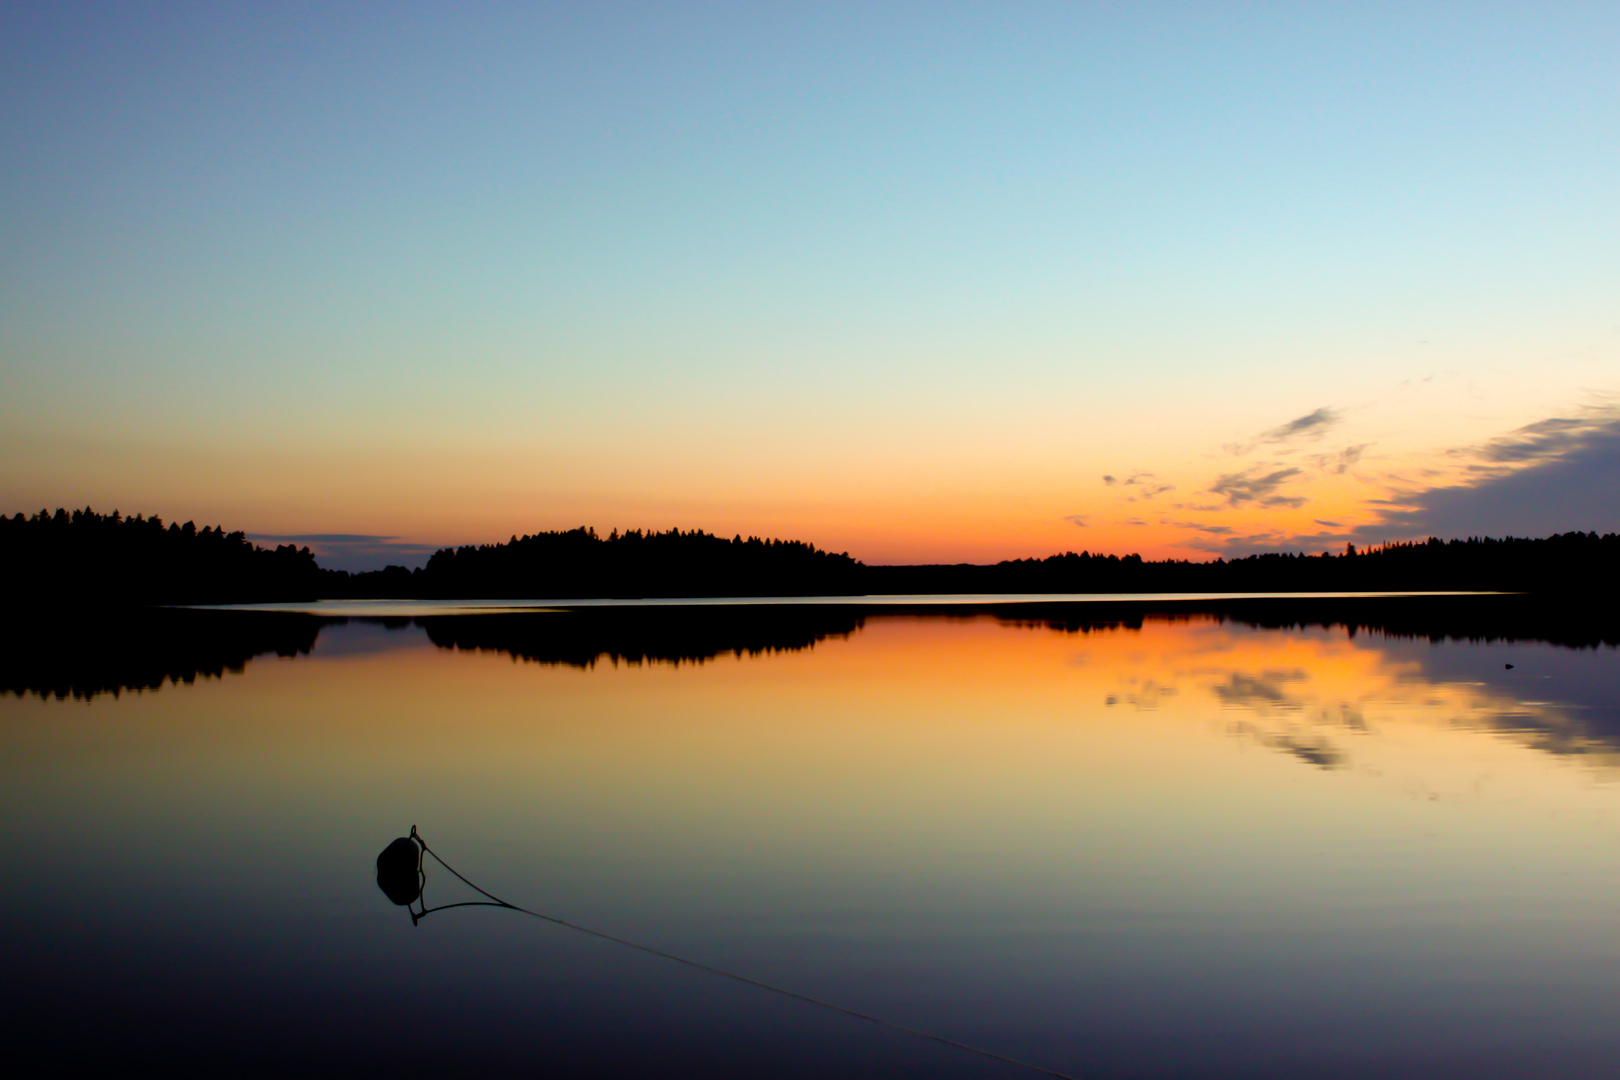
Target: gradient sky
x: 917, y: 281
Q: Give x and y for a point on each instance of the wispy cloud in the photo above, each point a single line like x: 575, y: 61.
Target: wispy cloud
x: 1556, y: 436
x: 1339, y: 462
x: 1556, y: 475
x: 1146, y: 483
x: 1254, y: 485
x: 1313, y: 425
x: 1198, y: 526
x: 1076, y: 519
x: 1233, y: 546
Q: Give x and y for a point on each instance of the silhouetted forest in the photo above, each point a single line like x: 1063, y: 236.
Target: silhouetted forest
x: 112, y: 559
x: 108, y: 558
x: 1573, y: 560
x: 579, y: 563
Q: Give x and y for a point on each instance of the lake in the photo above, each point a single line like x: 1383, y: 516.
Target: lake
x: 1105, y: 840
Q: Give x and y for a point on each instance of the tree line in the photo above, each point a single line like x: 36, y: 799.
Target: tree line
x: 579, y: 563
x: 110, y: 558
x: 1569, y: 561
x: 84, y: 556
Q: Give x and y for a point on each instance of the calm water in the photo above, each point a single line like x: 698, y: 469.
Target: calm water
x: 1188, y: 847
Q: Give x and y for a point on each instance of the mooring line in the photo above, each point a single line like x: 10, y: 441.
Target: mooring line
x: 979, y: 1050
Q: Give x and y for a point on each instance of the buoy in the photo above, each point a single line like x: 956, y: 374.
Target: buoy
x: 399, y: 871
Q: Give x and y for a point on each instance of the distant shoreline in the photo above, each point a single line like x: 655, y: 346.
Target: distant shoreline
x: 105, y: 559
x: 382, y: 607
x: 83, y: 649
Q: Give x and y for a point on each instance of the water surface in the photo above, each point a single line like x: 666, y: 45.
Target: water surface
x: 1172, y: 846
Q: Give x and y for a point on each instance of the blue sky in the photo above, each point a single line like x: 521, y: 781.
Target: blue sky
x: 906, y: 280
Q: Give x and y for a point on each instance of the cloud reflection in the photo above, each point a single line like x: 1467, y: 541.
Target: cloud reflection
x: 1313, y: 749
x: 1354, y: 689
x: 1353, y: 696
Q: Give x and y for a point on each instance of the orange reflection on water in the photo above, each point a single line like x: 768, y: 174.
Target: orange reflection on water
x: 1278, y: 833
x: 905, y: 703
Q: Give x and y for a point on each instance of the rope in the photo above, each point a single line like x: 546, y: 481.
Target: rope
x: 498, y: 902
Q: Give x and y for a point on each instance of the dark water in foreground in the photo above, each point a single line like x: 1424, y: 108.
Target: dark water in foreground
x: 1181, y: 846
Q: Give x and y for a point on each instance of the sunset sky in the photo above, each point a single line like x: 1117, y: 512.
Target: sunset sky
x: 922, y: 282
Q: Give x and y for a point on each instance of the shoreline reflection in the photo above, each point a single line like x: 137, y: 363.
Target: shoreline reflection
x: 83, y: 656
x: 1108, y: 840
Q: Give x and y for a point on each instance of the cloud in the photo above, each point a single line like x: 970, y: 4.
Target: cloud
x: 1550, y: 438
x: 323, y: 538
x: 1261, y: 692
x: 1311, y: 749
x: 1266, y: 543
x: 1254, y: 486
x: 1339, y: 463
x: 1235, y: 547
x: 354, y: 551
x: 1076, y: 519
x: 1557, y: 475
x: 1144, y: 480
x: 1312, y: 424
x: 1213, y: 530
